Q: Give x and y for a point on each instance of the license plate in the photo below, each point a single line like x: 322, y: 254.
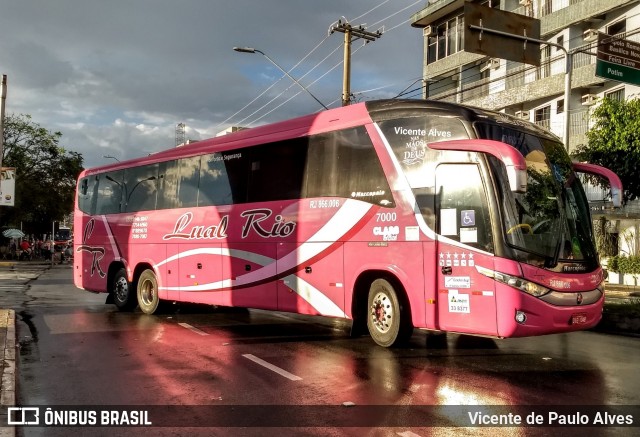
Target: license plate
x: 579, y: 319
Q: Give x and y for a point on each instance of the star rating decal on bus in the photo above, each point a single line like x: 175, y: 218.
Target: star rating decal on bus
x: 455, y: 259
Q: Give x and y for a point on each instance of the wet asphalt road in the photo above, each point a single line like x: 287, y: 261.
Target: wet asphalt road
x: 77, y: 351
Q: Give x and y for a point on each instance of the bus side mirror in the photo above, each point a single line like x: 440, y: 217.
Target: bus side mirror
x: 614, y: 181
x: 512, y: 159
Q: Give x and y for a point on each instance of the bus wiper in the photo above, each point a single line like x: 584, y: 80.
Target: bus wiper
x: 552, y: 261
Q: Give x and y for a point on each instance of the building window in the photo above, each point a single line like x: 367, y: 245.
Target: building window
x: 560, y: 106
x: 543, y: 117
x: 617, y: 28
x: 545, y: 61
x: 560, y: 42
x: 615, y: 95
x: 446, y: 40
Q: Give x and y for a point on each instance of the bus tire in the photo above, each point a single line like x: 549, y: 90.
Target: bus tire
x: 122, y: 292
x: 148, y: 299
x: 387, y: 319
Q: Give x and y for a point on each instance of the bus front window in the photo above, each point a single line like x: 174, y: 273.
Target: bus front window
x: 551, y: 221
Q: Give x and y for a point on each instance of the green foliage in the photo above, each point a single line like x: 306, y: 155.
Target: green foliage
x: 614, y: 142
x: 625, y: 264
x: 45, y: 175
x: 628, y: 308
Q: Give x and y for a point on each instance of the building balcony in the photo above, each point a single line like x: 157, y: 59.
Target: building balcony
x: 525, y: 83
x: 554, y: 15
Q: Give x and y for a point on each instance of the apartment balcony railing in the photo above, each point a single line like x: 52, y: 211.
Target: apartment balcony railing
x: 545, y: 124
x: 540, y: 8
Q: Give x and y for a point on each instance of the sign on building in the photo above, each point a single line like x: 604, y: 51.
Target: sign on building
x: 618, y: 59
x: 7, y: 186
x: 505, y: 37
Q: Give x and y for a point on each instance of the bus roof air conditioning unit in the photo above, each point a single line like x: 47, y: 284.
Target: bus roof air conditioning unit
x: 590, y: 35
x: 427, y: 30
x: 523, y: 114
x: 589, y: 99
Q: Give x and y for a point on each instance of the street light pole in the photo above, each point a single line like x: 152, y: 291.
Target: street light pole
x: 252, y: 50
x: 110, y: 157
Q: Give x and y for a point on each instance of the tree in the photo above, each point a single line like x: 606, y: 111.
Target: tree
x: 614, y: 142
x: 45, y: 175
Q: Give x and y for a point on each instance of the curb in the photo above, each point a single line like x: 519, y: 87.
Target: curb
x: 8, y: 368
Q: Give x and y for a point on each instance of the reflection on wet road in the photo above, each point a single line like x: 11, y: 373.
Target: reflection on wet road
x: 75, y: 350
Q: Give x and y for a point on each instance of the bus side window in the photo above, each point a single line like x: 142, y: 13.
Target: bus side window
x: 109, y: 187
x: 178, y: 183
x: 87, y: 194
x: 215, y: 185
x: 345, y: 164
x: 277, y: 172
x: 140, y: 188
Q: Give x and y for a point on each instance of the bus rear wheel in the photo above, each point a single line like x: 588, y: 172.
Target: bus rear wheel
x: 148, y: 299
x: 122, y: 292
x: 387, y: 319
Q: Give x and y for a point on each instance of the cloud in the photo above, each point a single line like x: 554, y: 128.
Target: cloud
x: 116, y: 77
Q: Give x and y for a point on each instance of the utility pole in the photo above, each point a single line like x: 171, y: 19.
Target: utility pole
x: 351, y: 33
x: 3, y: 98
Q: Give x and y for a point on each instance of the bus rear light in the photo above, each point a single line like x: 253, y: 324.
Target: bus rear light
x: 528, y: 287
x: 521, y: 317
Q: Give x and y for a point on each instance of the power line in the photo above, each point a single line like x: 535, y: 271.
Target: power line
x: 329, y: 71
x: 371, y: 10
x: 274, y: 84
x: 332, y: 68
x: 286, y: 89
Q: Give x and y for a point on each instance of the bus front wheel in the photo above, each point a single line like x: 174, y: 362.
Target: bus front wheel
x: 148, y: 299
x: 387, y: 319
x: 121, y: 291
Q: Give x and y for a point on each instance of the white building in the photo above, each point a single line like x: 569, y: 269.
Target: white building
x: 534, y: 93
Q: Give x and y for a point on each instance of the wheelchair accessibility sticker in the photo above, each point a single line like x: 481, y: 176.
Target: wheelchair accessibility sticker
x: 468, y: 217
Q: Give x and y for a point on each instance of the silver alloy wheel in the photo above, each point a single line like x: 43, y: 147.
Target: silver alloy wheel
x: 147, y: 291
x: 381, y: 312
x: 121, y: 289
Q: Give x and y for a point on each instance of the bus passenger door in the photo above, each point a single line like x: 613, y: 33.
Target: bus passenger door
x: 466, y: 299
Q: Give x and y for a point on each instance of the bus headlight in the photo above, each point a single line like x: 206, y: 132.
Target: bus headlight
x: 528, y: 287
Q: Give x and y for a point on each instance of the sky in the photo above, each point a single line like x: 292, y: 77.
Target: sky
x: 115, y: 77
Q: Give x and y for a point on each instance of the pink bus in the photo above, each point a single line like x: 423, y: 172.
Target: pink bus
x: 394, y: 214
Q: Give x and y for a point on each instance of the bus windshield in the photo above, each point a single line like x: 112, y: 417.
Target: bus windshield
x: 552, y: 218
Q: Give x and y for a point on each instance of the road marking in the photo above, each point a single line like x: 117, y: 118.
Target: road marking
x: 192, y: 328
x: 270, y: 366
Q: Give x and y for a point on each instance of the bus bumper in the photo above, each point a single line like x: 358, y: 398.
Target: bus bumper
x: 523, y: 315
